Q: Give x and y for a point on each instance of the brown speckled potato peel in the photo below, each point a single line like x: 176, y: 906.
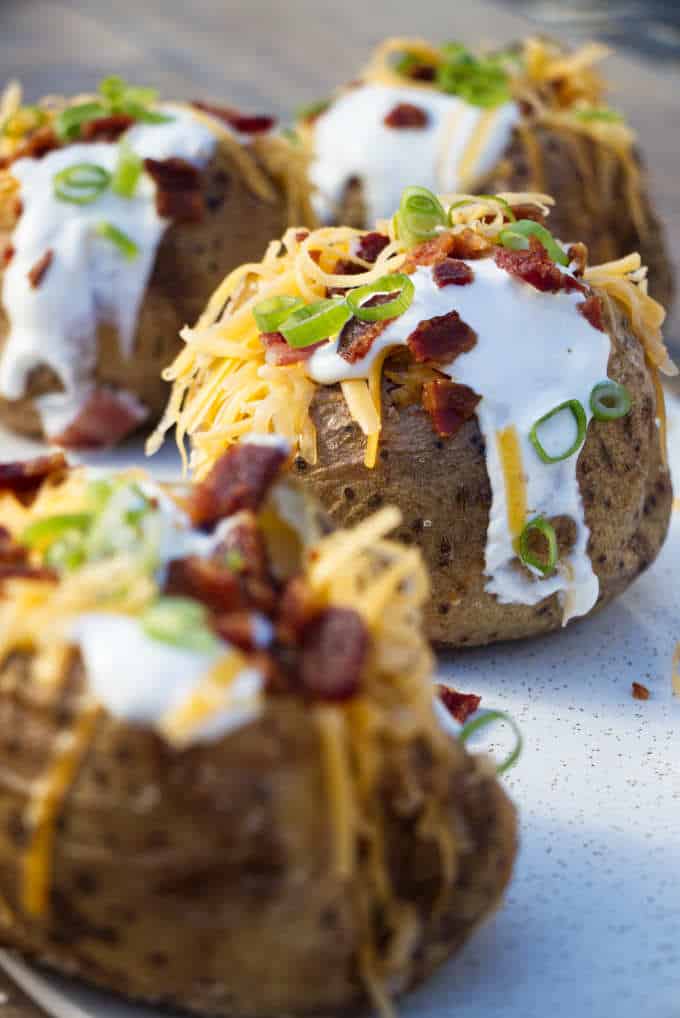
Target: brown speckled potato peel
x: 443, y: 490
x: 190, y: 264
x: 203, y: 878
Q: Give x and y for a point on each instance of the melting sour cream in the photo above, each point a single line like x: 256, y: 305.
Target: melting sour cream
x: 458, y: 145
x: 88, y: 280
x: 534, y: 351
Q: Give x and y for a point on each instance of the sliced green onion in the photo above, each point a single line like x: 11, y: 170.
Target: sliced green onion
x: 480, y: 82
x: 127, y: 172
x: 420, y: 213
x: 576, y: 409
x: 274, y: 311
x: 506, y: 208
x: 81, y: 184
x: 603, y: 113
x: 116, y: 90
x: 545, y: 565
x: 125, y: 244
x: 610, y: 400
x: 313, y: 109
x: 145, y: 116
x: 516, y: 236
x: 489, y: 718
x: 67, y: 553
x: 314, y: 322
x: 180, y: 621
x: 391, y: 308
x: 41, y: 534
x: 406, y: 62
x: 23, y: 120
x: 69, y: 122
x: 456, y: 52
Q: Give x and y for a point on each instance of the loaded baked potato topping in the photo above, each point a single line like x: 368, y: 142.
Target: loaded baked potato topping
x: 208, y: 618
x: 467, y: 306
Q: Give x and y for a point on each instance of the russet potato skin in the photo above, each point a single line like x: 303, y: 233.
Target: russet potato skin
x: 442, y: 487
x: 190, y: 264
x: 204, y: 878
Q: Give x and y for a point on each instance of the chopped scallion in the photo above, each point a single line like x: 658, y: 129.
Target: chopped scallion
x: 274, y: 311
x: 572, y: 406
x: 125, y: 244
x: 41, y: 534
x: 610, y: 400
x: 516, y: 236
x: 489, y: 718
x: 420, y: 215
x: 314, y: 322
x: 81, y: 184
x: 545, y: 564
x: 396, y: 281
x: 180, y: 621
x: 127, y: 172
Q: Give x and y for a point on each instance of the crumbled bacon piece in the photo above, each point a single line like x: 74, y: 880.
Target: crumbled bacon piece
x: 536, y: 267
x: 239, y: 629
x: 25, y: 571
x: 406, y: 115
x: 106, y: 128
x: 8, y: 254
x: 106, y: 418
x: 422, y: 72
x: 333, y: 653
x: 301, y: 235
x: 357, y: 337
x: 179, y: 195
x: 296, y: 609
x: 37, y: 273
x: 10, y: 551
x: 592, y: 311
x: 241, y: 122
x: 343, y: 267
x: 243, y: 547
x: 467, y: 244
x: 459, y: 705
x: 449, y: 404
x: 441, y: 338
x: 452, y: 271
x: 370, y: 246
x: 529, y: 211
x: 206, y: 580
x: 279, y: 352
x: 578, y: 256
x: 240, y: 479
x: 640, y: 692
x: 25, y: 477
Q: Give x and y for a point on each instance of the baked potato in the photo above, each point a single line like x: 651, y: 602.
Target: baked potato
x: 527, y: 118
x: 222, y: 787
x: 464, y: 366
x: 117, y: 217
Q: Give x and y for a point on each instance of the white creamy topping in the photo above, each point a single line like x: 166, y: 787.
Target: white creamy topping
x: 351, y: 139
x: 141, y: 680
x: 88, y: 281
x: 534, y: 351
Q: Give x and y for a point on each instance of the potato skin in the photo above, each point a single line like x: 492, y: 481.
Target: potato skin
x: 202, y: 878
x: 190, y: 263
x: 443, y: 490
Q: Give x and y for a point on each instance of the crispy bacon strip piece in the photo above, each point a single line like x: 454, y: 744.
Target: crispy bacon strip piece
x: 206, y: 580
x: 467, y: 244
x: 279, y: 352
x: 640, y: 692
x: 179, y: 194
x: 535, y: 267
x: 592, y: 311
x: 452, y: 272
x: 370, y: 246
x: 106, y: 128
x: 578, y: 254
x: 459, y: 705
x: 441, y: 338
x: 27, y: 476
x: 240, y: 479
x: 334, y: 650
x: 238, y: 628
x: 529, y: 211
x: 344, y: 267
x: 243, y: 123
x: 449, y: 404
x: 357, y: 337
x: 106, y: 418
x: 37, y: 273
x: 406, y: 115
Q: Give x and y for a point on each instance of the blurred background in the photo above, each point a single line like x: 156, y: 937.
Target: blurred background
x: 270, y: 55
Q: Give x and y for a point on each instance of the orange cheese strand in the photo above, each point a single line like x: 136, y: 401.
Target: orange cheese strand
x: 510, y: 453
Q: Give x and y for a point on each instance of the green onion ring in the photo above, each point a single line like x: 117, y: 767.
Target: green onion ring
x: 127, y: 172
x: 391, y: 308
x: 420, y: 213
x: 314, y: 322
x: 610, y: 400
x: 516, y: 236
x: 125, y: 244
x: 42, y: 533
x: 69, y: 121
x: 181, y: 622
x: 539, y: 525
x: 579, y: 415
x: 274, y: 311
x: 478, y: 199
x: 81, y: 184
x: 483, y: 721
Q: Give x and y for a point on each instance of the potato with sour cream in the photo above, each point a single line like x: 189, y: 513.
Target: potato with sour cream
x: 117, y: 216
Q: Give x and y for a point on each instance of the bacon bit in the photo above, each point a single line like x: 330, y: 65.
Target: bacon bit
x: 640, y: 692
x: 529, y: 211
x: 578, y: 255
x: 10, y: 551
x: 106, y: 128
x: 26, y: 571
x: 357, y: 337
x: 344, y: 267
x: 422, y: 72
x: 370, y: 246
x: 449, y: 404
x: 315, y: 256
x: 106, y: 418
x: 240, y: 479
x: 452, y: 271
x: 37, y: 273
x: 25, y: 477
x: 179, y: 195
x: 536, y: 268
x: 406, y: 115
x: 237, y: 628
x: 301, y: 235
x: 592, y: 311
x: 441, y: 338
x: 466, y: 244
x: 280, y: 353
x: 297, y: 607
x: 8, y: 254
x: 243, y: 123
x: 206, y: 580
x: 243, y: 544
x: 334, y: 650
x: 459, y: 705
